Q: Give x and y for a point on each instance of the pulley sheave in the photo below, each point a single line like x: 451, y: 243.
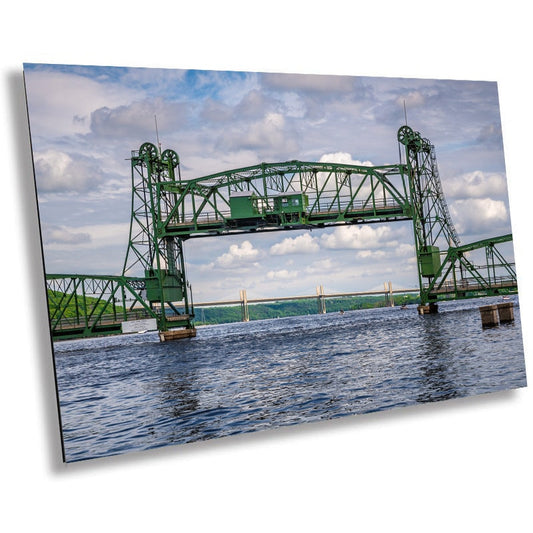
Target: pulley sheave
x: 148, y: 151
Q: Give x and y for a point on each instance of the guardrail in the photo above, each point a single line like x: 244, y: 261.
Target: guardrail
x: 472, y: 284
x: 326, y: 206
x: 104, y: 320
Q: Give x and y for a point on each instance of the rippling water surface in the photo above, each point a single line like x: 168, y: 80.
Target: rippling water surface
x: 132, y: 392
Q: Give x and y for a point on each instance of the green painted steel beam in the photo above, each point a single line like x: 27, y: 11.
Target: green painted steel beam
x: 166, y: 210
x: 458, y: 277
x: 334, y: 193
x: 92, y: 305
x: 482, y: 243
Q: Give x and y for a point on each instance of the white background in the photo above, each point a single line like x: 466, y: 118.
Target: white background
x: 463, y: 465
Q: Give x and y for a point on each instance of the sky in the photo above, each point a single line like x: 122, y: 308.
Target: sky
x: 85, y: 121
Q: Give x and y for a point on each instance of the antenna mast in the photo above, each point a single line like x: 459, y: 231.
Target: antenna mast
x: 157, y: 134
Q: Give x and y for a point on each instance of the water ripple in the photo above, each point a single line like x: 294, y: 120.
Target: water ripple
x: 127, y: 393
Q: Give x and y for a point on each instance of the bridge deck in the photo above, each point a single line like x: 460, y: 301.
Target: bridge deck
x: 106, y: 325
x: 465, y: 287
x: 222, y: 219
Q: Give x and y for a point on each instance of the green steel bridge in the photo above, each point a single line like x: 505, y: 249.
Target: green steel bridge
x: 166, y: 210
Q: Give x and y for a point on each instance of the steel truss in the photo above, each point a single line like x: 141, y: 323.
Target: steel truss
x: 458, y: 277
x: 85, y: 306
x: 160, y: 256
x: 336, y: 194
x: 166, y: 211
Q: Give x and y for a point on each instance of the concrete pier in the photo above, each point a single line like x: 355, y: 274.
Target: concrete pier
x: 429, y: 309
x: 489, y: 316
x: 492, y: 315
x: 175, y: 334
x: 506, y: 312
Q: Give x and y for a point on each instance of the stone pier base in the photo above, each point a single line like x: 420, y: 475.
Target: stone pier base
x: 506, y: 312
x: 429, y: 309
x: 489, y: 316
x: 492, y: 315
x: 176, y: 334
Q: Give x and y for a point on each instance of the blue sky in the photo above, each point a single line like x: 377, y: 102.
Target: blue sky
x: 85, y: 121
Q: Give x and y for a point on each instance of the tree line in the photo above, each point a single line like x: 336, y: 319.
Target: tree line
x: 221, y: 315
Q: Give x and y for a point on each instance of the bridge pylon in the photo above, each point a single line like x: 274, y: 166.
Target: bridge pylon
x: 244, y: 306
x: 159, y: 256
x: 444, y: 270
x: 321, y: 300
x: 432, y: 223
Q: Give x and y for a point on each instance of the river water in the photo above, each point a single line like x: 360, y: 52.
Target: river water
x: 131, y: 392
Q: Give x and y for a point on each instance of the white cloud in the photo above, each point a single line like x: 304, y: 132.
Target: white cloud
x: 267, y: 134
x: 343, y: 158
x: 60, y: 103
x: 63, y: 235
x: 476, y: 184
x: 303, y: 244
x: 137, y: 118
x: 491, y: 134
x: 371, y: 254
x: 91, y: 236
x: 321, y: 266
x: 57, y: 171
x: 412, y: 100
x: 214, y: 111
x: 479, y: 215
x: 253, y: 105
x: 238, y: 255
x: 358, y: 237
x: 308, y: 83
x: 294, y: 105
x: 282, y: 274
x: 405, y: 250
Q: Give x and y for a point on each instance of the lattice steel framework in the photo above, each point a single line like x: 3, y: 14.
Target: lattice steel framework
x: 167, y: 210
x: 335, y: 194
x: 85, y: 306
x: 444, y: 268
x: 159, y: 256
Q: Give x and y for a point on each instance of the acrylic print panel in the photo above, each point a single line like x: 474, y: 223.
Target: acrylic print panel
x: 228, y: 252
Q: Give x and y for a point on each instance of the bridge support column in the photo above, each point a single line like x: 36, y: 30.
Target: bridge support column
x: 489, y: 315
x: 506, y: 312
x: 389, y: 296
x: 429, y: 309
x: 244, y: 306
x: 321, y: 300
x: 175, y: 334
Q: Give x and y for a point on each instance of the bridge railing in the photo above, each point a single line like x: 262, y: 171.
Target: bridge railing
x: 473, y: 284
x: 326, y: 205
x: 107, y: 319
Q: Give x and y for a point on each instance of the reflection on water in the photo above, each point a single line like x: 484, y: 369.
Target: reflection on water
x: 133, y: 393
x: 177, y: 394
x: 438, y: 365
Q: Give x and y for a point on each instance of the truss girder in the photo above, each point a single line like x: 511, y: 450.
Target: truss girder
x: 85, y: 306
x: 335, y: 193
x: 458, y: 276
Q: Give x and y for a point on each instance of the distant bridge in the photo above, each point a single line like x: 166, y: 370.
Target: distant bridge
x: 320, y: 297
